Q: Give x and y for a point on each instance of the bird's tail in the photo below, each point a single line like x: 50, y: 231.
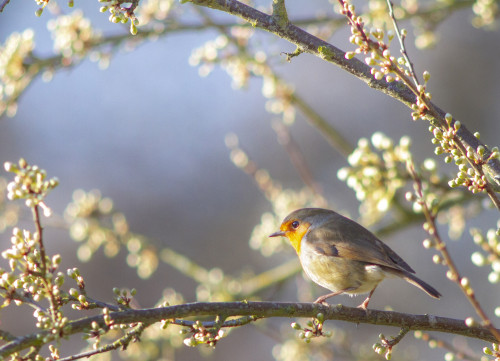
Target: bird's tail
x: 414, y: 280
x: 431, y: 291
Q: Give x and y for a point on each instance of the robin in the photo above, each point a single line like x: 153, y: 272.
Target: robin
x: 341, y: 255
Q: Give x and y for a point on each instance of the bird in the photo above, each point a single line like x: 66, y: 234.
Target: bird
x: 341, y: 255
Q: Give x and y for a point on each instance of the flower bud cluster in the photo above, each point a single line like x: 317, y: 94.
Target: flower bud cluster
x: 124, y: 296
x: 490, y: 244
x: 73, y: 36
x: 202, y: 335
x: 119, y: 14
x: 420, y: 108
x: 45, y: 321
x: 486, y: 12
x: 30, y: 184
x: 216, y: 286
x: 494, y: 351
x: 54, y: 352
x: 467, y: 175
x: 95, y: 224
x: 16, y: 72
x: 376, y: 172
x: 107, y: 317
x: 74, y: 273
x: 154, y: 11
x: 25, y: 257
x: 314, y: 328
x: 28, y: 280
x: 226, y: 51
x: 385, y: 346
x: 382, y: 63
x: 210, y: 54
x: 380, y: 349
x: 34, y: 277
x: 42, y: 4
x: 80, y: 296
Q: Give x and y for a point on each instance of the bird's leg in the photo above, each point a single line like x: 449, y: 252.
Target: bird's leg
x: 322, y: 299
x: 364, y: 305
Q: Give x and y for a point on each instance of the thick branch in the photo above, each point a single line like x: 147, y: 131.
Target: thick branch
x: 259, y: 310
x: 320, y: 48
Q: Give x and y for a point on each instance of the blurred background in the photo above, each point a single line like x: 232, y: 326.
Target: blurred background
x: 149, y: 133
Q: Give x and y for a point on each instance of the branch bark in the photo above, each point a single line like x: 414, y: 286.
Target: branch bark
x: 258, y: 310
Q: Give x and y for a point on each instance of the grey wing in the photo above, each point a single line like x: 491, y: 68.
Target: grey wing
x: 345, y: 238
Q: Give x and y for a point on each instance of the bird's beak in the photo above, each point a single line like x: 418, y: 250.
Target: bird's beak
x: 278, y: 234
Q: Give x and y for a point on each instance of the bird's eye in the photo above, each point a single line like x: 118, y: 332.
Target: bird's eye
x: 295, y: 224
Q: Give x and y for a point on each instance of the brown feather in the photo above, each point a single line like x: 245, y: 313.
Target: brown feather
x: 352, y: 241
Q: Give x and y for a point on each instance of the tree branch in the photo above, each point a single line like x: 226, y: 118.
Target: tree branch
x: 258, y: 310
x: 3, y: 5
x: 122, y: 342
x: 322, y: 49
x: 454, y: 274
x: 279, y: 12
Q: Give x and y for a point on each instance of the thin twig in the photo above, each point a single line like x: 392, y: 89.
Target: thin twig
x: 92, y: 304
x: 3, y: 5
x: 332, y: 135
x: 26, y: 298
x: 39, y: 230
x: 411, y: 218
x: 460, y: 354
x: 279, y: 12
x: 389, y: 344
x: 454, y: 275
x: 43, y: 261
x: 297, y: 158
x: 120, y: 343
x: 401, y: 38
x: 395, y: 340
